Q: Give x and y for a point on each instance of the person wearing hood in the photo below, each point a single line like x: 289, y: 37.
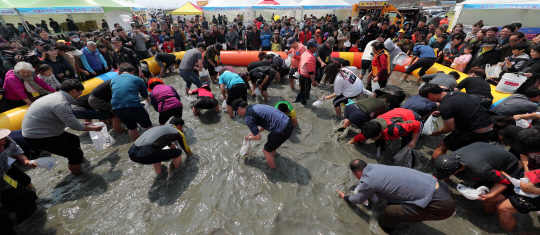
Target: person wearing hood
x: 393, y: 50
x: 205, y: 99
x: 165, y: 100
x: 44, y: 125
x: 20, y: 83
x: 487, y: 54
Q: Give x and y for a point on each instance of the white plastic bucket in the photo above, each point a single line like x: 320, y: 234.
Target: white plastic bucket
x: 510, y: 83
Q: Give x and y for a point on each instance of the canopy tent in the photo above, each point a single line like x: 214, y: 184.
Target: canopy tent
x: 229, y: 8
x: 320, y: 8
x: 164, y: 5
x: 188, y: 9
x: 526, y: 12
x: 278, y: 7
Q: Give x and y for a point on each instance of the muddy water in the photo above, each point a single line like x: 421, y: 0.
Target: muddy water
x: 216, y: 191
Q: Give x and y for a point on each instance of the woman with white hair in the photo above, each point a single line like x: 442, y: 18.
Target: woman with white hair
x: 20, y: 83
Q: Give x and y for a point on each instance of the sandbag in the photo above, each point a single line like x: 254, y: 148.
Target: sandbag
x: 408, y: 157
x: 245, y: 147
x: 102, y: 139
x: 471, y: 193
x: 47, y: 163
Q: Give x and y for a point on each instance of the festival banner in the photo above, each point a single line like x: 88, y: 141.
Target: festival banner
x: 284, y: 8
x: 8, y: 12
x: 139, y: 8
x: 202, y: 3
x: 330, y: 7
x: 501, y: 6
x: 226, y: 8
x: 373, y: 4
x: 60, y: 10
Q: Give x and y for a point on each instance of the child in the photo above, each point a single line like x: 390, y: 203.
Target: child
x: 153, y: 50
x: 276, y: 46
x: 354, y: 47
x: 517, y: 61
x: 168, y: 46
x: 461, y: 62
x: 187, y: 45
x: 439, y: 44
x: 175, y: 45
x: 46, y: 74
x: 162, y: 36
x: 241, y: 44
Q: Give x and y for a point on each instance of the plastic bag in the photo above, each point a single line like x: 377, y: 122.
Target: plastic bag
x: 430, y: 125
x: 288, y: 61
x: 400, y: 59
x: 146, y: 107
x: 296, y: 75
x: 224, y: 45
x: 224, y: 105
x: 319, y: 103
x: 523, y: 123
x: 204, y: 73
x: 257, y: 92
x: 245, y: 147
x: 347, y: 44
x: 517, y: 187
x: 218, y: 68
x: 375, y: 86
x: 493, y: 71
x: 408, y: 157
x: 471, y: 193
x: 192, y: 98
x: 102, y: 139
x: 47, y: 163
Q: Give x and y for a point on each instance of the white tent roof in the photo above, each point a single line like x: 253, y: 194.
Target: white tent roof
x: 229, y: 3
x: 323, y: 3
x: 166, y: 5
x: 282, y: 2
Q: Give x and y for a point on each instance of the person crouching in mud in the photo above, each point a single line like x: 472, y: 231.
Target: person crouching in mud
x: 268, y: 118
x: 205, y: 99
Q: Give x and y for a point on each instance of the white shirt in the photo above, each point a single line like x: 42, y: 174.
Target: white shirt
x: 343, y: 86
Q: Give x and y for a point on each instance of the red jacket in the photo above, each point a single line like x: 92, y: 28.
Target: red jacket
x: 381, y: 65
x: 354, y: 49
x: 305, y: 38
x: 400, y: 122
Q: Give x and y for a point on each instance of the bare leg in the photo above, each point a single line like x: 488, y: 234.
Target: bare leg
x: 161, y: 72
x: 346, y: 123
x: 187, y: 90
x: 405, y: 77
x: 194, y: 111
x: 176, y: 162
x: 217, y: 108
x: 440, y: 150
x: 264, y: 95
x: 75, y: 169
x: 419, y: 80
x: 278, y: 77
x: 117, y: 125
x: 506, y: 215
x: 291, y: 83
x: 338, y: 110
x: 133, y: 134
x: 230, y: 111
x: 157, y: 168
x: 490, y: 205
x: 270, y: 158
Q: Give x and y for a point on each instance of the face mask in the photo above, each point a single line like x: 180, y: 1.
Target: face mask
x: 76, y: 40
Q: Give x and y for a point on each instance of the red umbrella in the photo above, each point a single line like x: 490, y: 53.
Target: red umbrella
x: 268, y: 2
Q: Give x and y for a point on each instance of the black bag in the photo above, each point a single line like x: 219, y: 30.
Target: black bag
x: 409, y: 158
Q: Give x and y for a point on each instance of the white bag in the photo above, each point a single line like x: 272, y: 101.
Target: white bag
x: 224, y: 45
x: 146, y: 107
x: 218, y: 68
x: 204, y: 73
x: 296, y: 75
x: 257, y: 92
x: 347, y: 44
x: 245, y: 147
x: 523, y: 123
x: 192, y: 98
x: 471, y: 193
x: 288, y: 61
x: 430, y: 126
x: 101, y: 140
x: 224, y: 105
x: 319, y: 103
x: 375, y: 86
x: 493, y: 71
x: 47, y: 163
x: 400, y: 59
x: 517, y: 187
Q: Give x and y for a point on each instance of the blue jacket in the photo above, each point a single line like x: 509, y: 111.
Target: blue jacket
x: 420, y: 105
x: 125, y: 91
x: 92, y: 60
x: 265, y: 38
x: 284, y: 32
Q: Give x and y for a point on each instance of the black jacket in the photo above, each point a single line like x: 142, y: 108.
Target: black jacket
x: 59, y: 66
x: 253, y: 38
x: 71, y: 26
x: 491, y: 57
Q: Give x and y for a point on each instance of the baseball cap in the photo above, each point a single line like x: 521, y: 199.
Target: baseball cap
x: 39, y: 43
x: 175, y: 24
x: 4, y: 133
x: 331, y: 41
x: 115, y: 39
x: 48, y: 47
x: 276, y: 31
x: 205, y: 84
x: 72, y: 35
x: 237, y: 103
x: 446, y: 165
x: 291, y: 41
x: 312, y: 43
x: 402, y: 30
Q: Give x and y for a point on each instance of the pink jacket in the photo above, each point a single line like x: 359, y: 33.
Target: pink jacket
x: 462, y: 62
x: 14, y: 87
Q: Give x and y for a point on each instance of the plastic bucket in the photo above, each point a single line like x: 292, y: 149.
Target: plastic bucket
x: 400, y: 59
x: 510, y: 83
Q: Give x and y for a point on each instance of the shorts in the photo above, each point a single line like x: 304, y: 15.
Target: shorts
x: 341, y: 99
x: 292, y: 71
x: 130, y: 116
x: 237, y: 91
x: 366, y: 67
x: 101, y: 106
x: 282, y: 71
x: 190, y: 78
x: 211, y: 69
x: 66, y: 145
x: 424, y: 63
x: 205, y: 102
x: 22, y: 178
x: 166, y: 115
x: 271, y: 77
x: 147, y: 155
x: 89, y: 114
x: 276, y: 139
x: 458, y: 139
x: 355, y: 115
x: 525, y: 204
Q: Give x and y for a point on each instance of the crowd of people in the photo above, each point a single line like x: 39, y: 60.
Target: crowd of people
x: 47, y: 75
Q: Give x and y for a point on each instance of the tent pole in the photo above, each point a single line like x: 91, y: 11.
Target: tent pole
x: 23, y: 23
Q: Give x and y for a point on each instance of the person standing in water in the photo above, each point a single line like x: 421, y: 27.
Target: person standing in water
x: 268, y: 118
